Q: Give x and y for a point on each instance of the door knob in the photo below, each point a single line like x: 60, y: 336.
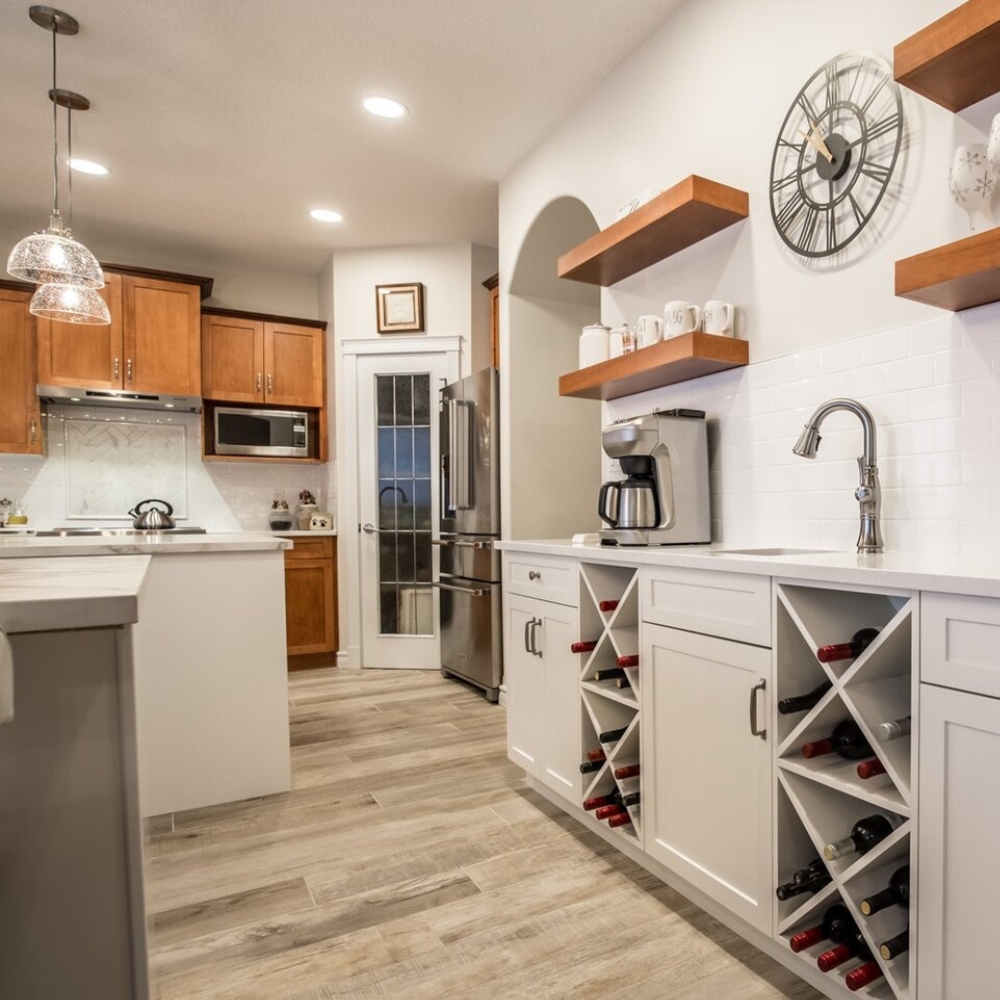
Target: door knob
x: 369, y: 529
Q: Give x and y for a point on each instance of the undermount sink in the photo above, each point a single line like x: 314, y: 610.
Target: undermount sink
x: 774, y: 551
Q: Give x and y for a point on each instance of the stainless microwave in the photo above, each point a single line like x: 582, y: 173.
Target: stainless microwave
x: 265, y: 433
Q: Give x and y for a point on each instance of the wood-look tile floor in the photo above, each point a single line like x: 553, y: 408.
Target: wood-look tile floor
x: 411, y: 862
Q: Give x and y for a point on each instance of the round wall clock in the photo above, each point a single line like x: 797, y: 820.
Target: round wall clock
x: 836, y: 153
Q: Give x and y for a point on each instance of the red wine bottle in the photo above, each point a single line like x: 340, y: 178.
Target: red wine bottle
x: 865, y: 834
x: 596, y: 754
x: 583, y: 647
x: 846, y: 739
x: 609, y: 674
x: 854, y: 946
x: 811, y: 878
x: 895, y: 945
x: 611, y: 799
x: 803, y: 702
x: 612, y: 809
x: 860, y: 641
x: 897, y: 893
x: 862, y: 976
x: 837, y: 924
x: 612, y: 735
x: 607, y: 605
x: 620, y: 819
x: 629, y: 660
x: 893, y: 730
x: 870, y: 768
x: 627, y: 771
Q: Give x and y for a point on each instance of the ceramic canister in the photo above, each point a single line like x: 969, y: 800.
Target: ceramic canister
x: 594, y: 345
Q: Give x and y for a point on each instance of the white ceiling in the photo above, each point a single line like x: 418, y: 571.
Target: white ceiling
x: 225, y: 121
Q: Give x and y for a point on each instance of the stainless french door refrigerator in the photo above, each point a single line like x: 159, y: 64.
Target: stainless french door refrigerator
x: 469, y: 577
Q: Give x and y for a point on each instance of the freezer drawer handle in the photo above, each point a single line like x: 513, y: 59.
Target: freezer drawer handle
x: 471, y: 591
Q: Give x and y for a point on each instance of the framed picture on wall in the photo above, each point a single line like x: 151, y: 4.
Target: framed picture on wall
x: 400, y: 308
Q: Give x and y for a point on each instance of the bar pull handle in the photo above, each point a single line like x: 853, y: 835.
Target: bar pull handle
x: 754, y: 731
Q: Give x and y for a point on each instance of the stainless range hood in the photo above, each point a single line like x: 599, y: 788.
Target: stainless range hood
x: 118, y: 398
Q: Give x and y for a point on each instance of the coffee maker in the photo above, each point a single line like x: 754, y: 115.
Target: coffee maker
x: 663, y: 499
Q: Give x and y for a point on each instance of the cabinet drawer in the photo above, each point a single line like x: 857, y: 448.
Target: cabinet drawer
x: 545, y: 577
x: 310, y: 548
x: 959, y: 638
x: 729, y: 605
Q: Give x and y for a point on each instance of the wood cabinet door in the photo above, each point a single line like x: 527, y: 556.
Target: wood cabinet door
x: 310, y: 609
x: 706, y: 796
x: 232, y: 359
x: 162, y: 336
x: 294, y: 360
x: 80, y: 355
x: 20, y: 411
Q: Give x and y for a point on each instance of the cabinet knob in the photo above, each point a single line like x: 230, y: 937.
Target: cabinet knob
x: 533, y: 574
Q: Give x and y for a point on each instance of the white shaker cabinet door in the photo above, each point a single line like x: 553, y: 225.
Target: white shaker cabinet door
x: 707, y: 790
x: 959, y: 823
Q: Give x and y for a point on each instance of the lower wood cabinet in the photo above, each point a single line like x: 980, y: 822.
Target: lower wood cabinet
x: 311, y: 602
x: 20, y: 410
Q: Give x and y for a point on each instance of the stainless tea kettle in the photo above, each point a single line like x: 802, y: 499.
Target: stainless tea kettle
x: 153, y: 519
x: 630, y: 503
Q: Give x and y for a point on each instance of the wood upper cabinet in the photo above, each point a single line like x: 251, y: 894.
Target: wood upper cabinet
x: 248, y: 360
x: 20, y: 411
x: 152, y: 345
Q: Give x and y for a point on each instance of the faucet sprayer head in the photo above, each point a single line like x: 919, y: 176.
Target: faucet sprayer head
x: 808, y: 442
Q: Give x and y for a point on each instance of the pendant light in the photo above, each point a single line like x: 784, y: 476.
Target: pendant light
x: 52, y: 256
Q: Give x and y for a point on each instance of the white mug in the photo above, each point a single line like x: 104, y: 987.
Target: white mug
x: 680, y: 317
x: 718, y: 317
x: 648, y: 330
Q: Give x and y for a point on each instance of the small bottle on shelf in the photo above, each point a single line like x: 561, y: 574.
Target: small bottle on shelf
x: 837, y: 924
x: 607, y: 605
x: 846, y: 739
x: 865, y: 834
x: 612, y: 735
x: 893, y: 730
x: 609, y: 674
x: 620, y: 819
x: 584, y: 646
x: 629, y: 660
x: 862, y: 976
x: 854, y: 946
x: 611, y: 799
x: 896, y: 893
x: 627, y: 771
x: 860, y: 641
x: 895, y: 945
x: 811, y: 878
x: 870, y: 768
x: 803, y: 702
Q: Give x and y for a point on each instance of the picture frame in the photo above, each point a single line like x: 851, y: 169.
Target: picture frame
x: 400, y: 308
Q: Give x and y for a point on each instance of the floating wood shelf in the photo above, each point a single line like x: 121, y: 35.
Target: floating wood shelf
x: 956, y: 276
x: 955, y: 61
x: 674, y: 220
x: 677, y: 360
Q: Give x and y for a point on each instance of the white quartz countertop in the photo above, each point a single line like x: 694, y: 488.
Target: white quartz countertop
x: 975, y: 574
x: 42, y: 595
x: 26, y: 546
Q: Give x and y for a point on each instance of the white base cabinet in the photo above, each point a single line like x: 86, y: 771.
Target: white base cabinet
x: 707, y: 789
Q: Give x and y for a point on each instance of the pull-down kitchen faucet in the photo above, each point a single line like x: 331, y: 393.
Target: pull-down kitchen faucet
x: 869, y: 492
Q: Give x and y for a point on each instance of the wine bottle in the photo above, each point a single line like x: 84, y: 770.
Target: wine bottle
x: 897, y: 893
x: 854, y: 946
x: 590, y: 766
x: 612, y: 809
x: 893, y: 730
x: 620, y: 819
x: 607, y: 605
x: 862, y: 976
x: 611, y: 799
x: 870, y: 768
x: 837, y: 924
x: 584, y: 646
x: 629, y: 660
x: 895, y: 945
x: 596, y: 754
x: 627, y: 771
x: 612, y: 735
x: 860, y: 641
x: 622, y: 683
x: 865, y: 834
x: 631, y: 799
x: 811, y: 878
x: 846, y: 739
x: 803, y: 702
x: 608, y: 674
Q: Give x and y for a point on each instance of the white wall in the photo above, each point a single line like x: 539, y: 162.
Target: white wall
x: 706, y: 95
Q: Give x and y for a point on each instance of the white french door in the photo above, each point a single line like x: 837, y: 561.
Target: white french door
x: 398, y: 510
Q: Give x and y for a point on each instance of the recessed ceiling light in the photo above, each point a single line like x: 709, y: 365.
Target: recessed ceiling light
x: 385, y: 107
x: 88, y: 166
x: 326, y: 215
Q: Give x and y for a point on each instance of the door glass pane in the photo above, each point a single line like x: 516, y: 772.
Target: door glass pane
x: 404, y: 516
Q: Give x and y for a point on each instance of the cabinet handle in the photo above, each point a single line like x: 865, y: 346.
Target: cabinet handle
x: 116, y: 370
x: 754, y: 731
x: 535, y: 622
x: 32, y: 430
x: 260, y: 381
x: 270, y: 383
x: 128, y: 371
x: 534, y: 574
x: 527, y: 634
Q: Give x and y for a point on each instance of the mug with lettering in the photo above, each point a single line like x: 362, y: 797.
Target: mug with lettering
x: 680, y: 317
x: 648, y: 331
x: 718, y: 317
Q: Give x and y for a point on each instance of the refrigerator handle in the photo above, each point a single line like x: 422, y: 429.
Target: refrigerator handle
x: 460, y: 446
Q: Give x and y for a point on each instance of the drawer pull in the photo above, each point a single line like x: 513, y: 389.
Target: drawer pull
x: 754, y: 731
x: 533, y: 574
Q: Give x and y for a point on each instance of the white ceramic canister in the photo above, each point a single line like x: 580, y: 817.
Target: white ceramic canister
x: 594, y: 345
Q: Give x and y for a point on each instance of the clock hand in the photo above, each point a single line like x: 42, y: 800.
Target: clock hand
x: 818, y: 144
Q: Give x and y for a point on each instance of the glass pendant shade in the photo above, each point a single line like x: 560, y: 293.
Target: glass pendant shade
x: 69, y: 302
x: 53, y: 255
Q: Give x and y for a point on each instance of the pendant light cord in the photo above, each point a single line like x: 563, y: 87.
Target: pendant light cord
x: 55, y: 128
